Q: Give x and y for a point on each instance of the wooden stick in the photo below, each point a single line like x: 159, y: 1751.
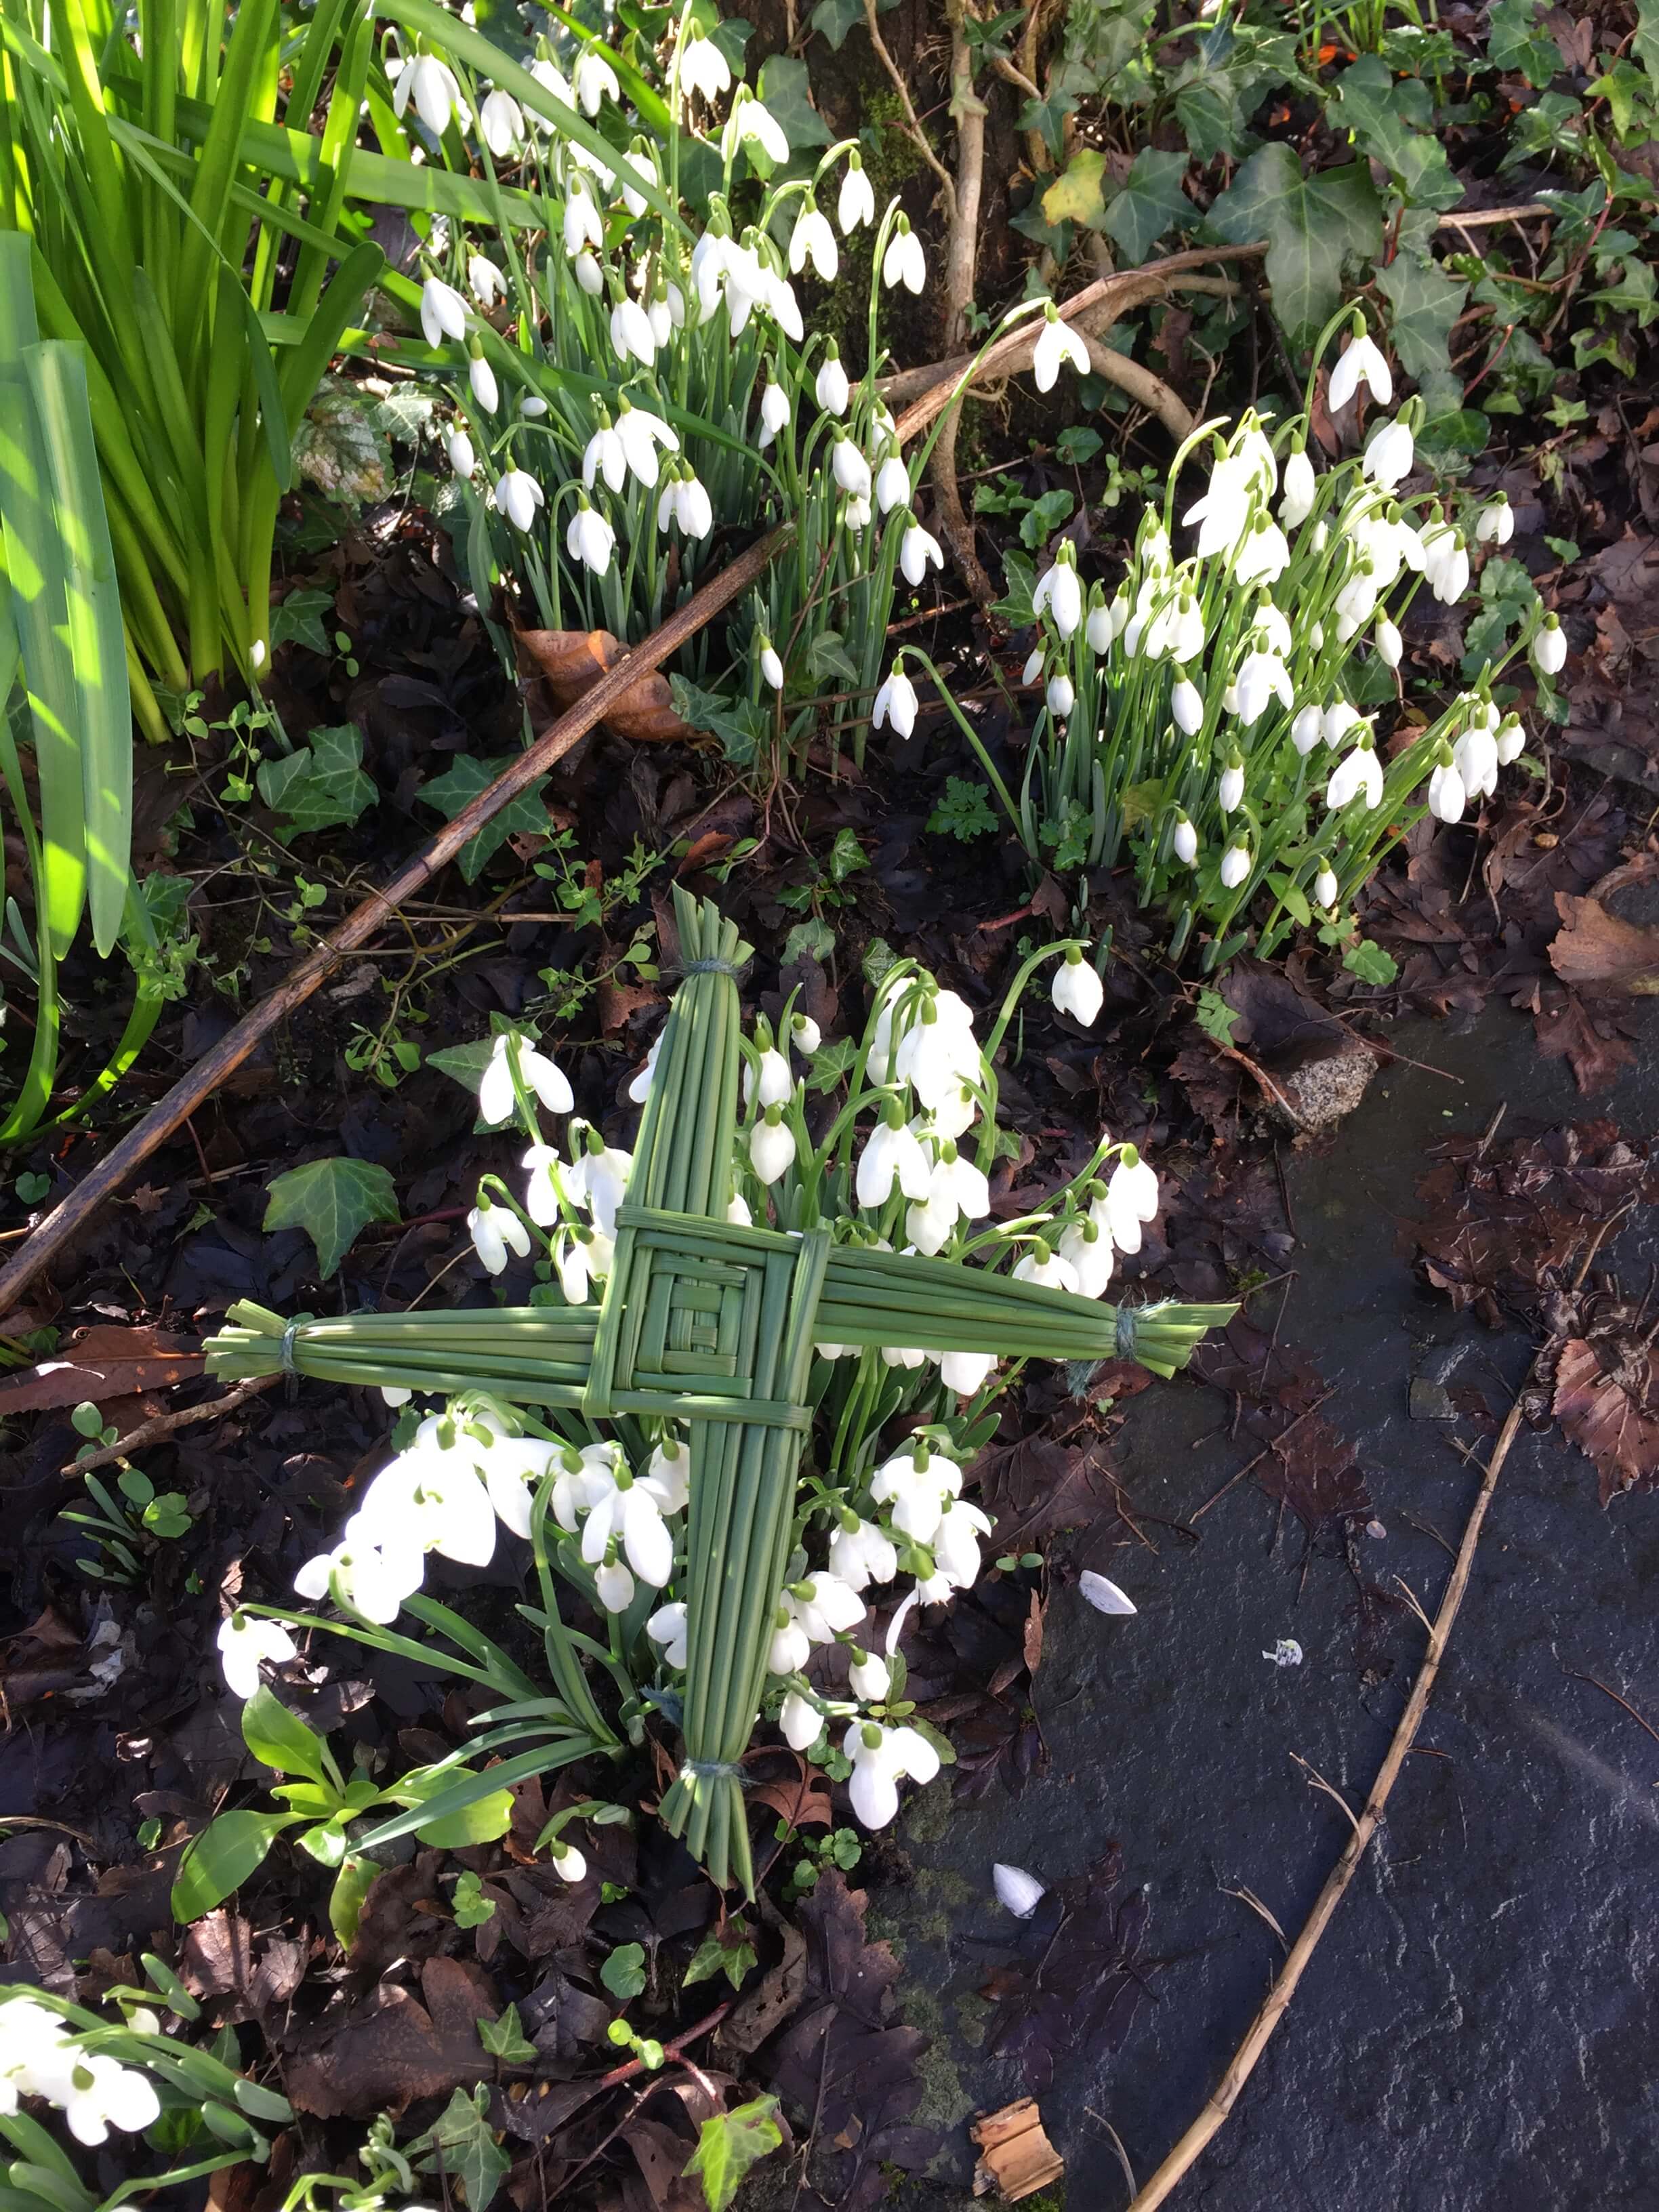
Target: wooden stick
x: 1225, y: 2095
x: 298, y: 985
x: 163, y: 1425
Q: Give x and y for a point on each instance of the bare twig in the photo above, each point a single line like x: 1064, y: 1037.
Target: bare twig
x: 167, y: 1425
x: 1141, y: 384
x: 1192, y: 2145
x: 961, y: 270
x: 365, y: 920
x: 912, y: 121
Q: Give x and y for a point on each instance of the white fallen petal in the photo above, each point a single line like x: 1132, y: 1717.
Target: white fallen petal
x: 1021, y: 1893
x: 1104, y: 1596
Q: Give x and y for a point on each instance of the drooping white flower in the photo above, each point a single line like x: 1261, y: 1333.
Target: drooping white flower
x: 481, y: 378
x: 518, y: 496
x: 771, y: 667
x: 918, y: 1487
x: 771, y: 1148
x: 857, y: 202
x: 1357, y: 773
x: 552, y: 80
x: 1060, y: 592
x: 1057, y: 342
x: 1445, y: 562
x: 431, y: 84
x: 774, y: 413
x: 966, y: 1372
x: 892, y: 483
x: 631, y: 334
x: 1337, y: 720
x: 443, y: 312
x: 850, y: 469
x: 1060, y: 695
x: 1088, y: 1252
x: 589, y: 539
x: 598, y: 1179
x: 862, y: 1554
x: 102, y: 2094
x: 881, y: 1758
x: 1361, y: 359
x: 1230, y: 789
x: 594, y: 80
x: 1185, y: 841
x: 539, y: 1075
x: 1104, y: 1596
x: 613, y: 1585
x: 1235, y: 865
x: 1446, y: 793
x: 1549, y: 647
x: 1326, y: 888
x: 495, y: 1230
x: 1510, y: 740
x: 589, y: 276
x: 895, y: 701
x: 812, y: 240
x: 666, y: 1627
x: 1301, y: 488
x: 891, y: 1153
x: 703, y: 68
x: 1017, y: 1892
x: 1390, y: 646
x: 1495, y: 524
x: 1390, y: 454
x: 1076, y: 989
x: 870, y: 1678
x: 1100, y: 631
x: 751, y: 122
x: 487, y: 282
x: 244, y: 1640
x: 1187, y: 707
x: 633, y: 1514
x: 433, y: 1495
x: 1264, y: 553
x: 1230, y: 500
x: 374, y: 1576
x: 1307, y: 728
x: 917, y: 548
x: 1475, y: 758
x: 582, y: 224
x: 904, y: 262
x: 830, y: 388
x: 802, y: 1723
x: 1047, y: 1269
x: 1262, y: 677
x: 501, y: 123
x: 955, y: 1544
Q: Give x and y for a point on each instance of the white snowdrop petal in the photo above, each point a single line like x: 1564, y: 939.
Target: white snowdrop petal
x: 1104, y: 1596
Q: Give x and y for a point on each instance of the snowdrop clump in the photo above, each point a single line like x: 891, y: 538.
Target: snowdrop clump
x: 42, y: 2055
x: 633, y: 380
x: 1228, y: 717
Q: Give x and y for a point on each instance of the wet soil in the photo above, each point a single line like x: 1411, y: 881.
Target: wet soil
x: 1477, y: 2027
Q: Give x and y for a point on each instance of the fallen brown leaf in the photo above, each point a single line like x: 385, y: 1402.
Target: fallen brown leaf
x: 1613, y: 1418
x: 102, y: 1364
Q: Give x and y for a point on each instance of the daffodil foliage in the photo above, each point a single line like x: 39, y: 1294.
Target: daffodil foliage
x: 734, y: 1419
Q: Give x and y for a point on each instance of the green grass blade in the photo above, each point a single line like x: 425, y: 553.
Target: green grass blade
x: 97, y: 646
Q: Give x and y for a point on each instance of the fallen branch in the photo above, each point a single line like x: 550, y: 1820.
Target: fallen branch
x: 163, y: 1425
x: 209, y: 1071
x: 1225, y: 2095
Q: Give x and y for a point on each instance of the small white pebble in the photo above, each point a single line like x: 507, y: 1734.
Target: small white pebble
x: 1020, y: 1891
x: 1287, y: 1652
x: 1374, y: 1531
x: 1104, y: 1596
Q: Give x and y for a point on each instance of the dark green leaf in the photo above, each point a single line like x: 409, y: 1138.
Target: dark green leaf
x: 300, y: 617
x: 524, y: 816
x: 345, y: 1900
x: 464, y: 2149
x: 1425, y: 302
x: 741, y: 725
x: 1019, y: 576
x: 1150, y: 203
x: 788, y: 96
x: 833, y: 19
x: 227, y: 1851
x: 332, y: 1200
x: 1311, y: 225
x: 1394, y: 124
x: 1514, y: 42
x: 321, y: 785
x: 624, y: 1971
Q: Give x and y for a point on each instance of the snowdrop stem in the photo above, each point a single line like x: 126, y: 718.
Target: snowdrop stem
x: 972, y: 735
x: 1345, y: 313
x: 562, y: 1663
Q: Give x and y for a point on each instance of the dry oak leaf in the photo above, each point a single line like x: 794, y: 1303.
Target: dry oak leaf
x: 1613, y: 1418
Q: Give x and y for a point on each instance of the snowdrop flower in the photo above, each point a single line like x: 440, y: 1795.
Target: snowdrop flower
x: 433, y: 1495
x: 584, y: 1478
x: 1045, y: 1268
x: 1017, y: 1892
x: 632, y: 1512
x: 916, y: 548
x: 1262, y: 677
x: 791, y: 1646
x: 1057, y: 342
x: 956, y: 1541
x: 1446, y: 793
x: 100, y: 2093
x: 582, y: 225
x: 1225, y: 512
x: 551, y: 79
x: 606, y: 456
x: 904, y: 262
x: 1235, y: 865
x: 1357, y: 773
x: 481, y: 378
x: 1187, y: 707
x: 640, y: 433
x: 1390, y: 646
x: 869, y: 1677
x: 1104, y: 1596
x: 881, y: 1758
x: 771, y: 1146
x: 1060, y: 592
x: 823, y: 1606
x: 957, y: 1188
x: 631, y: 333
x: 857, y: 202
x: 1307, y: 729
x: 1475, y: 756
x: 851, y: 470
x: 895, y: 701
x: 517, y: 496
x: 703, y: 68
x: 539, y: 1075
x: 501, y: 123
x: 919, y: 1486
x: 1445, y: 562
x: 1327, y: 890
x: 589, y: 539
x: 892, y: 1153
x: 1088, y: 1251
x: 431, y: 84
x: 666, y: 1627
x: 589, y: 276
x: 642, y: 165
x: 802, y: 1723
x: 1337, y: 720
x: 862, y: 1553
x: 1264, y: 553
x: 856, y: 514
x: 813, y: 239
x: 774, y: 413
x: 966, y: 1372
x: 1032, y: 672
x: 599, y: 1181
x: 1362, y: 360
x: 1230, y: 789
x: 771, y: 667
x: 1076, y: 989
x: 1185, y: 841
x: 1388, y: 456
x: 830, y: 388
x: 749, y: 122
x: 1549, y: 647
x: 566, y: 1861
x: 244, y: 1641
x: 459, y: 447
x: 488, y: 282
x: 1509, y: 739
x: 1495, y: 524
x: 594, y: 80
x: 613, y: 1585
x: 805, y: 1034
x: 1100, y: 631
x: 1060, y: 697
x: 1300, y: 489
x: 776, y: 1085
x: 443, y: 312
x: 372, y: 1578
x: 493, y: 1230
x: 893, y: 482
x: 573, y: 1263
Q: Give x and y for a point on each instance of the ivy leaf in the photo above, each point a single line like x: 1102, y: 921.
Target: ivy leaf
x: 504, y: 2038
x: 321, y: 784
x: 1230, y: 73
x: 1310, y: 224
x: 1513, y: 42
x: 1078, y: 194
x: 1015, y: 607
x: 1425, y: 303
x: 811, y: 939
x: 1645, y: 44
x: 1394, y: 124
x: 463, y: 2148
x: 833, y: 19
x: 299, y: 619
x: 728, y: 2144
x: 1150, y: 203
x: 741, y: 725
x: 524, y: 816
x: 332, y: 1200
x: 787, y: 93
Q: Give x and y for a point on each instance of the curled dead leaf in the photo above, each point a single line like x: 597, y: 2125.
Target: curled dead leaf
x: 562, y: 666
